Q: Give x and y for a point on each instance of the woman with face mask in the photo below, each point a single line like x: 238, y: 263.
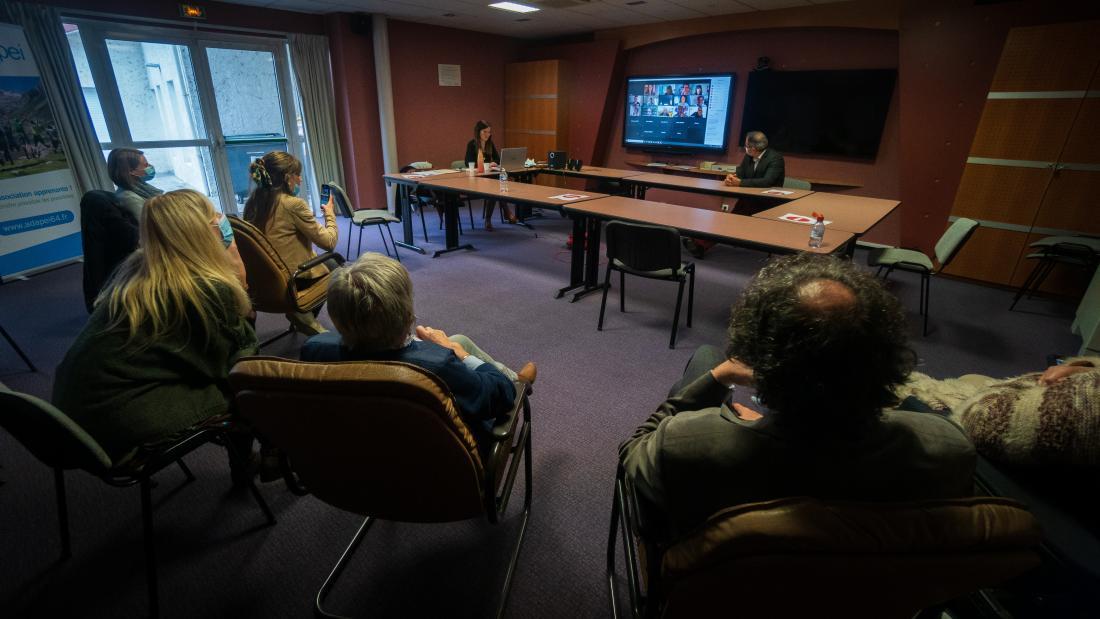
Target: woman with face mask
x: 131, y: 173
x: 275, y: 208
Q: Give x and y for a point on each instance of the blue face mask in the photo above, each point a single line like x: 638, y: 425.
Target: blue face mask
x: 297, y: 190
x: 150, y: 173
x: 226, y: 230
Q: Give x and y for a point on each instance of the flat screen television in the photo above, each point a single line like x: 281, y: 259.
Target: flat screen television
x: 820, y: 112
x: 687, y: 113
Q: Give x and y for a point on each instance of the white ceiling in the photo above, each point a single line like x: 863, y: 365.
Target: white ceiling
x: 555, y: 17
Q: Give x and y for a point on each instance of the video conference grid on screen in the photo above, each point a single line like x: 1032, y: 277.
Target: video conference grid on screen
x: 686, y: 111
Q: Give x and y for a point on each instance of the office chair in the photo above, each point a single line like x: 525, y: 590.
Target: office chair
x: 60, y: 443
x: 804, y: 557
x: 914, y: 261
x: 796, y: 183
x: 363, y: 218
x: 108, y: 234
x: 1080, y: 251
x: 385, y: 440
x: 272, y: 286
x: 647, y: 251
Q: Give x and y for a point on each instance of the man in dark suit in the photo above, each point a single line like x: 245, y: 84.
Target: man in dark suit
x: 824, y: 344
x: 761, y: 167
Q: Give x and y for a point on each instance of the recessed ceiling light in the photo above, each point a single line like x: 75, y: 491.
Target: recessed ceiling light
x: 513, y: 6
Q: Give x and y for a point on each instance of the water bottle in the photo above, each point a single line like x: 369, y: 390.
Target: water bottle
x: 503, y: 180
x: 817, y: 231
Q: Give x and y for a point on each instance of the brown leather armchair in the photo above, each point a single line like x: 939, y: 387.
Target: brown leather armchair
x: 271, y: 284
x: 384, y: 439
x: 800, y: 557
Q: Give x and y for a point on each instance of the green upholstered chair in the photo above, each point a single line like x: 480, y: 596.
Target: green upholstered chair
x: 647, y: 251
x: 60, y: 443
x: 796, y: 183
x: 363, y: 218
x: 1075, y: 251
x: 890, y: 258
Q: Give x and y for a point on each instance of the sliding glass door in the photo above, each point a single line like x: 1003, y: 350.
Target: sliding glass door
x: 200, y: 108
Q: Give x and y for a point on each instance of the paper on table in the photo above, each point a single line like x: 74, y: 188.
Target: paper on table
x: 777, y: 192
x: 656, y: 165
x: 568, y: 197
x: 801, y: 219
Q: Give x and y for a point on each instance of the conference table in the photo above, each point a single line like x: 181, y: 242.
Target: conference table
x: 753, y: 232
x: 522, y: 194
x: 592, y: 172
x: 854, y: 214
x: 406, y: 188
x: 639, y: 183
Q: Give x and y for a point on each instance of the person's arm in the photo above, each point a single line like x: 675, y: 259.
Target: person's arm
x: 481, y: 390
x: 773, y: 173
x: 471, y: 151
x: 323, y: 237
x: 1056, y: 373
x: 641, y: 453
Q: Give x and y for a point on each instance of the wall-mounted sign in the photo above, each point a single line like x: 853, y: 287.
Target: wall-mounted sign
x: 450, y: 75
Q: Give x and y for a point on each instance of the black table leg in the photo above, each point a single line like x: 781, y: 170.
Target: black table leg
x: 576, y: 256
x: 450, y: 217
x: 591, y: 260
x: 404, y: 203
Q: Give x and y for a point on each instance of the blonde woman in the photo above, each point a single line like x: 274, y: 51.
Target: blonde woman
x: 275, y: 208
x: 155, y: 353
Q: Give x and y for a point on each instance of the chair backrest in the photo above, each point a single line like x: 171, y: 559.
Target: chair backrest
x: 643, y: 247
x: 799, y: 556
x: 796, y: 183
x: 953, y: 240
x: 109, y: 234
x: 268, y: 276
x: 377, y: 438
x: 341, y: 200
x: 49, y: 434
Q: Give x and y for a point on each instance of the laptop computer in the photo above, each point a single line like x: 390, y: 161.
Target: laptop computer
x: 513, y: 158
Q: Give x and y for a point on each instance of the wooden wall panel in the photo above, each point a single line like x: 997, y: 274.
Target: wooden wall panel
x: 537, y: 144
x: 536, y: 106
x: 1028, y: 129
x: 990, y: 255
x: 1072, y: 202
x: 1000, y: 193
x: 1051, y: 57
x: 1083, y: 145
x: 532, y: 114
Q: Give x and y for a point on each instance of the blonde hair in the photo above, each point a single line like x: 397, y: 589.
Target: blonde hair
x: 371, y: 302
x: 270, y: 174
x: 180, y: 272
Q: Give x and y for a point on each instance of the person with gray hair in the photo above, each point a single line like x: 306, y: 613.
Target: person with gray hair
x: 370, y: 302
x: 761, y: 167
x: 824, y: 345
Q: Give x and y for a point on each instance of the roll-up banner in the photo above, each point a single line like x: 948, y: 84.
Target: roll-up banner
x: 39, y: 207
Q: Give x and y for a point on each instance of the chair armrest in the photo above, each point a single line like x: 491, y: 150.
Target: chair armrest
x: 312, y: 262
x: 503, y: 429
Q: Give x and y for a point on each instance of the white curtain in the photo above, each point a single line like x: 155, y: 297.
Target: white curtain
x: 46, y: 37
x: 313, y: 69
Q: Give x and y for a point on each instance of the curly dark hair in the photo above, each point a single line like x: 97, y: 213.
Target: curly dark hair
x: 823, y: 366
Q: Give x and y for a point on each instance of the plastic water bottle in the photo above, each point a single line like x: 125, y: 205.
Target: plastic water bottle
x: 817, y: 231
x: 503, y: 180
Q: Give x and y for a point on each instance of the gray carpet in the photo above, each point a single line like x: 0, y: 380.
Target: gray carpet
x: 593, y: 389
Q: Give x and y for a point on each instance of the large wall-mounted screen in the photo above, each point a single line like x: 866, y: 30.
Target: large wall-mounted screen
x: 678, y: 112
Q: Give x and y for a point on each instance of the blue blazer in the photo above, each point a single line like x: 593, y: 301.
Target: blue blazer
x: 480, y: 390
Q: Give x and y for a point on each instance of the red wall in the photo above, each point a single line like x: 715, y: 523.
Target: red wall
x: 434, y: 122
x: 789, y: 49
x: 949, y: 51
x: 593, y: 84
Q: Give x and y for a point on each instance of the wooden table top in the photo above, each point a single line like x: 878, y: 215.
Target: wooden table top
x: 715, y: 187
x: 591, y: 171
x: 854, y: 214
x: 712, y: 224
x: 412, y: 178
x: 538, y: 195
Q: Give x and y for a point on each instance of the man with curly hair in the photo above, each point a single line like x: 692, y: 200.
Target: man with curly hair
x: 824, y: 345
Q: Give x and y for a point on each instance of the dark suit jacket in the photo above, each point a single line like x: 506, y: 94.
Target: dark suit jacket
x: 768, y: 173
x: 109, y: 233
x: 482, y: 394
x: 471, y: 152
x: 694, y: 457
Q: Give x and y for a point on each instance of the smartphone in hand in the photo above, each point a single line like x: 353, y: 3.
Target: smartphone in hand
x: 326, y: 193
